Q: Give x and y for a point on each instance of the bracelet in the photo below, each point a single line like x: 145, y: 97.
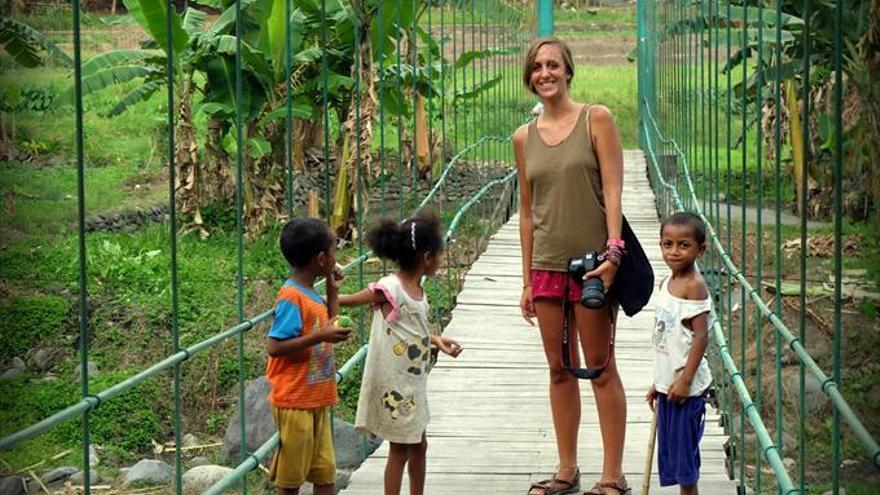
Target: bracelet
x: 615, y: 242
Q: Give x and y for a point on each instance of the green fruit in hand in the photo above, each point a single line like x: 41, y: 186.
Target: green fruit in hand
x: 344, y: 322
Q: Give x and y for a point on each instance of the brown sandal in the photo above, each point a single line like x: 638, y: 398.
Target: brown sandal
x: 600, y: 488
x: 557, y: 486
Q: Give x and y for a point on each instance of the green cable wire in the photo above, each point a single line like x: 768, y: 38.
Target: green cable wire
x: 239, y: 224
x: 400, y: 121
x: 382, y: 89
x: 759, y: 269
x: 288, y: 121
x: 729, y: 308
x: 430, y: 97
x: 82, y: 296
x: 414, y: 159
x: 777, y: 178
x: 802, y: 314
x: 743, y: 304
x: 359, y: 189
x: 838, y: 233
x: 454, y: 81
x: 442, y: 154
x: 325, y: 100
x: 172, y: 213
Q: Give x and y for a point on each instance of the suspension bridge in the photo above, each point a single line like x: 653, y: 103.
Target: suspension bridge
x: 491, y: 428
x: 399, y: 105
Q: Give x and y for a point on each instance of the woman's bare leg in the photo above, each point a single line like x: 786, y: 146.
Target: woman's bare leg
x: 565, y: 401
x: 595, y: 327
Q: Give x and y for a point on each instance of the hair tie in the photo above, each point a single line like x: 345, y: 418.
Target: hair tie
x: 412, y: 234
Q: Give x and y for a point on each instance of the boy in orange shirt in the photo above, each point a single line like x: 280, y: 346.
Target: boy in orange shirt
x: 301, y: 367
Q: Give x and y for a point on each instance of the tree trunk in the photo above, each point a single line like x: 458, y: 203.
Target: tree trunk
x: 795, y: 126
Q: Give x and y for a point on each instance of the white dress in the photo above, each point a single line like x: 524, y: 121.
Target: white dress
x: 393, y: 402
x: 672, y: 340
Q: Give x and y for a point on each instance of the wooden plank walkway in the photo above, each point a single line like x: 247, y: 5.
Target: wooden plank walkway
x: 491, y: 430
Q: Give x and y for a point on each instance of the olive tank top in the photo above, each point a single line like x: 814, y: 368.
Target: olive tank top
x: 568, y: 211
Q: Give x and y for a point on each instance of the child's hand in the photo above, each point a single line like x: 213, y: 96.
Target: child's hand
x: 336, y: 278
x: 651, y: 397
x: 680, y: 390
x: 332, y: 333
x: 448, y: 346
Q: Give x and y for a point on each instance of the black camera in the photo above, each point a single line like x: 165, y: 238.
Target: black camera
x: 593, y: 290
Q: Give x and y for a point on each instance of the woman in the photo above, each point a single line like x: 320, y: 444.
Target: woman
x: 570, y: 166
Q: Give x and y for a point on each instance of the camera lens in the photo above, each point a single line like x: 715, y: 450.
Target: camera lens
x: 593, y: 293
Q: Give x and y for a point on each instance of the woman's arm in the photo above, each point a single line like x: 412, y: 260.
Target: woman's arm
x: 606, y: 142
x: 525, y: 222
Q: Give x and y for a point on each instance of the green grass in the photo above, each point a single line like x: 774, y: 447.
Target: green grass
x: 602, y: 15
x: 566, y: 34
x: 616, y: 88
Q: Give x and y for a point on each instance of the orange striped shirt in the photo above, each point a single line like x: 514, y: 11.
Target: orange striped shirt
x: 305, y: 379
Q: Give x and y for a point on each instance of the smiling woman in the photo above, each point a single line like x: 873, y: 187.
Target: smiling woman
x: 570, y: 166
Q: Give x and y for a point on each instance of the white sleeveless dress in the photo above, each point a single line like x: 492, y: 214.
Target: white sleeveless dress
x: 393, y: 402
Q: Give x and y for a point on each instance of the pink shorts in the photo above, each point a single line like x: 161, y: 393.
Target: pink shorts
x: 551, y: 285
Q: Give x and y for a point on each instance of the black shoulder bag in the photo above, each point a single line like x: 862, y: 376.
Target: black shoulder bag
x: 634, y: 282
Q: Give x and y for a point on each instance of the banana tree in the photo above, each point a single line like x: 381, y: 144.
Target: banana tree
x: 26, y: 46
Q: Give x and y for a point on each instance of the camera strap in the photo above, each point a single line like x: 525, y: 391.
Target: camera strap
x: 580, y: 373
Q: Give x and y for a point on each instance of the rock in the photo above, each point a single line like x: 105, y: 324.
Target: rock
x: 841, y: 491
x: 93, y: 456
x: 200, y: 478
x: 78, y: 478
x: 343, y: 478
x: 148, y: 471
x: 10, y: 373
x: 189, y: 440
x: 814, y: 398
x: 349, y: 445
x: 260, y: 423
x: 46, y: 358
x: 789, y: 464
x: 34, y: 487
x: 61, y: 473
x: 17, y: 363
x: 199, y: 461
x: 92, y: 369
x: 12, y: 485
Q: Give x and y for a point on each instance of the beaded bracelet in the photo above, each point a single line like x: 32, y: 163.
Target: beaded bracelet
x: 613, y: 254
x: 616, y: 242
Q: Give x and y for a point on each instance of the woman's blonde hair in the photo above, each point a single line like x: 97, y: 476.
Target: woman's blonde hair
x: 533, y: 53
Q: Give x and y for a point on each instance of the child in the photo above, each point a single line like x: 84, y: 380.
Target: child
x: 301, y: 367
x: 681, y: 372
x: 393, y: 403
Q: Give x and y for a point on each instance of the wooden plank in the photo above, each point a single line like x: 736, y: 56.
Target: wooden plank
x: 491, y: 431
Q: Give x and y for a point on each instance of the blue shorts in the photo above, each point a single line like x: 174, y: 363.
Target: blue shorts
x: 679, y: 430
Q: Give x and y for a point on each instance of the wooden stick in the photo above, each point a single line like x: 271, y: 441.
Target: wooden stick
x: 39, y: 481
x: 61, y: 454
x: 32, y: 466
x: 172, y: 448
x: 649, y: 456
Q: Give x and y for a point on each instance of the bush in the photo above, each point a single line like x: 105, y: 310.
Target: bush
x: 126, y: 423
x: 27, y: 319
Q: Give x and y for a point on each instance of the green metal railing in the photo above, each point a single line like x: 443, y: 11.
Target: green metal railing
x: 453, y: 75
x: 718, y: 84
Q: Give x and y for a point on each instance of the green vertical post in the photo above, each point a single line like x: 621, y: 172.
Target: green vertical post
x: 545, y: 18
x: 82, y: 297
x: 239, y: 222
x: 645, y: 71
x: 838, y: 233
x: 172, y: 227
